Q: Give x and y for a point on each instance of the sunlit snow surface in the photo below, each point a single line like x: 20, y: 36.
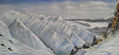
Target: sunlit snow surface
x: 36, y: 34
x: 107, y: 47
x: 44, y: 33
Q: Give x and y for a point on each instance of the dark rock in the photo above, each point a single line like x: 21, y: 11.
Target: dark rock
x: 10, y: 49
x: 0, y: 34
x: 2, y: 45
x: 85, y: 46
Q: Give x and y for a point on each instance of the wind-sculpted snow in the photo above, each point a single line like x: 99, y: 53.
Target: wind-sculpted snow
x: 39, y: 32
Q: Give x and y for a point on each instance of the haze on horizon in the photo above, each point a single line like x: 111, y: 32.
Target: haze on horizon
x: 70, y: 8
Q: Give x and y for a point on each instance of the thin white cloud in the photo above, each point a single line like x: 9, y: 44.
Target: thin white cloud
x: 90, y: 9
x: 95, y: 5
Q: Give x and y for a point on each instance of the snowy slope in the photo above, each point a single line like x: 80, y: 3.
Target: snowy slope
x: 49, y: 31
x: 34, y: 34
x: 11, y: 46
x: 25, y: 36
x: 107, y: 47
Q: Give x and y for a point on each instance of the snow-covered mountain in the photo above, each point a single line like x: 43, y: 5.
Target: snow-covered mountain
x: 11, y: 46
x: 36, y: 34
x: 31, y: 28
x: 39, y: 34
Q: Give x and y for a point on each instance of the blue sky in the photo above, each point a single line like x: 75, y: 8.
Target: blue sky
x: 79, y: 8
x: 18, y: 1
